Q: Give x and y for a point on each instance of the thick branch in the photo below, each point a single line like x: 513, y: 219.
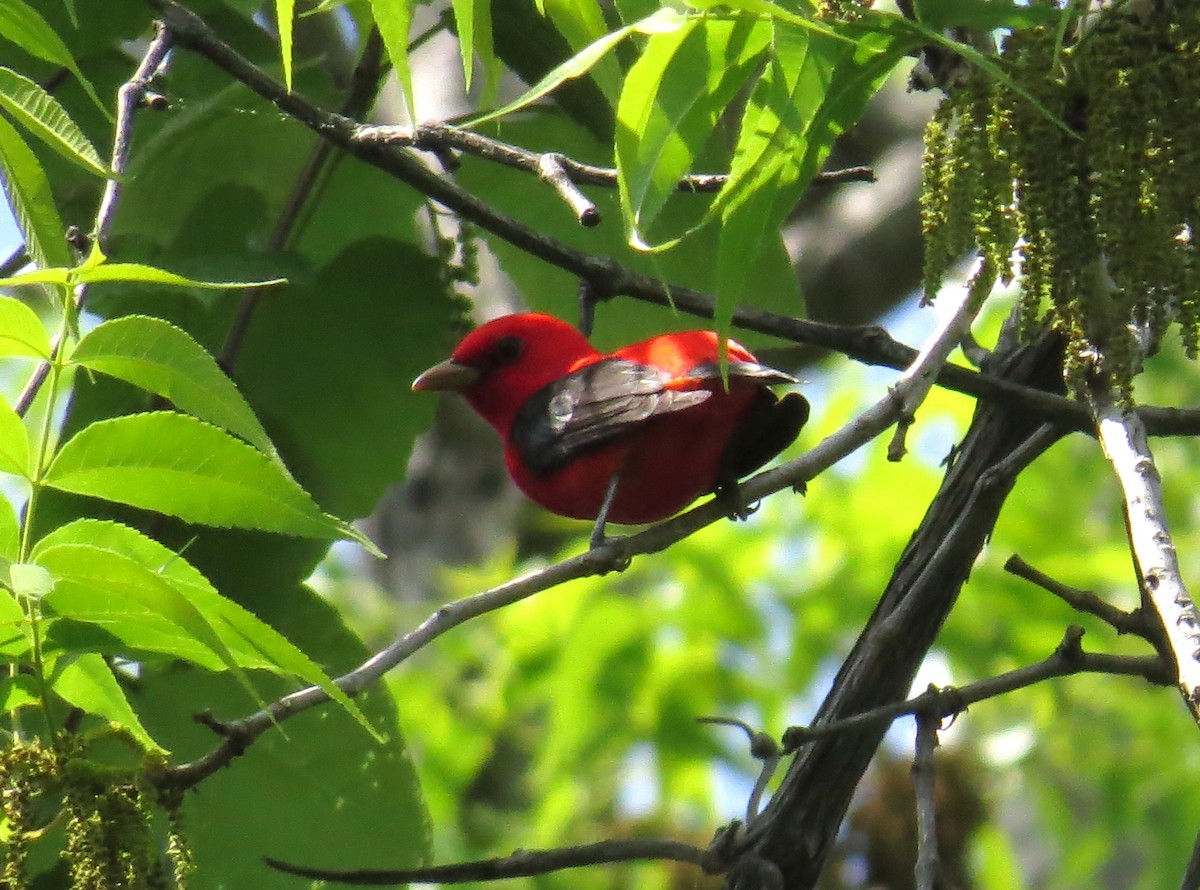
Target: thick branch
x: 1123, y: 437
x: 797, y: 829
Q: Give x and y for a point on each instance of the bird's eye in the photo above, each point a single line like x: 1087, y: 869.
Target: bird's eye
x: 507, y: 350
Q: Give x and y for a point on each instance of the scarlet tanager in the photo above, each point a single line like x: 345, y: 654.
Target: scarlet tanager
x: 633, y: 436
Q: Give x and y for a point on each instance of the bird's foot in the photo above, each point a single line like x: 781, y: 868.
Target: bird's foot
x: 739, y: 510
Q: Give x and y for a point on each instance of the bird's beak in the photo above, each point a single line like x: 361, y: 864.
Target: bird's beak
x: 448, y: 376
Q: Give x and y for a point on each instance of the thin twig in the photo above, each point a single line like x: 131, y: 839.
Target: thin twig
x: 1123, y: 437
x: 360, y: 94
x: 129, y: 100
x: 1069, y: 658
x: 953, y: 330
x: 441, y: 136
x: 523, y: 863
x: 1083, y: 600
x: 763, y: 748
x: 924, y: 780
x: 552, y: 171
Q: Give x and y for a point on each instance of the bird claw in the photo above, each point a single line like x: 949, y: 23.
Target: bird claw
x: 741, y: 511
x: 620, y: 560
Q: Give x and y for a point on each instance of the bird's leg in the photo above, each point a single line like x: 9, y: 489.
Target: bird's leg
x: 730, y: 491
x: 610, y: 495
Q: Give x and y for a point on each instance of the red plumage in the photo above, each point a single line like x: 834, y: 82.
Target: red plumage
x: 656, y: 413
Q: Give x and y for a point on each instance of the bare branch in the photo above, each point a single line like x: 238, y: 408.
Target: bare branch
x: 1084, y: 600
x: 1123, y: 437
x: 552, y: 171
x: 440, y: 136
x: 924, y: 779
x: 1069, y: 658
x: 523, y: 863
x: 130, y: 97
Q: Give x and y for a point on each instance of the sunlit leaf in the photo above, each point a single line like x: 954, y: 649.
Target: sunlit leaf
x: 87, y: 682
x: 14, y: 442
x: 673, y: 98
x: 285, y: 15
x: 43, y: 116
x: 24, y: 26
x: 167, y: 361
x: 393, y: 18
x: 30, y: 198
x: 21, y: 331
x: 181, y: 466
x: 665, y: 19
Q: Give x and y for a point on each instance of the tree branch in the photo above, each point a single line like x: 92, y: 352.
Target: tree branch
x: 130, y: 97
x: 1123, y: 437
x: 924, y: 779
x: 522, y: 864
x: 1084, y: 601
x: 868, y: 344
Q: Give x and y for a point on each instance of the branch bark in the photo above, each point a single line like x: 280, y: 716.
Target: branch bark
x: 797, y: 829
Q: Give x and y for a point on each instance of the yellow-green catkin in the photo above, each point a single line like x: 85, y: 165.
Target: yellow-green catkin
x: 1090, y: 166
x: 25, y: 771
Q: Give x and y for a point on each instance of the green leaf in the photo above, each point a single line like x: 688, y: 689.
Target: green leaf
x: 18, y: 692
x: 285, y: 15
x: 87, y: 682
x: 30, y: 198
x: 249, y: 642
x: 95, y: 558
x: 393, y: 18
x: 24, y: 26
x: 811, y: 92
x: 673, y: 99
x: 159, y: 357
x: 184, y: 467
x: 29, y: 581
x: 10, y: 531
x: 138, y: 272
x: 21, y: 331
x: 14, y: 442
x: 43, y: 116
x: 663, y: 20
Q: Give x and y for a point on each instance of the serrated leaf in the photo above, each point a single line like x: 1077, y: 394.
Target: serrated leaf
x: 166, y: 360
x: 285, y: 16
x: 245, y: 641
x: 30, y: 198
x: 663, y: 20
x: 115, y: 582
x: 21, y: 331
x: 184, y: 467
x: 672, y: 100
x: 14, y: 442
x: 24, y: 26
x: 87, y: 682
x: 43, y: 116
x: 393, y: 18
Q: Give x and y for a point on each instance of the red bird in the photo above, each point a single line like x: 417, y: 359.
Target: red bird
x: 633, y: 436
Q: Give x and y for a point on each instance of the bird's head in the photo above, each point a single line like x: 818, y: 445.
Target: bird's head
x: 499, y: 365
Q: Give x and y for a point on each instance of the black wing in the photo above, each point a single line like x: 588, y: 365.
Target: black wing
x: 590, y: 407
